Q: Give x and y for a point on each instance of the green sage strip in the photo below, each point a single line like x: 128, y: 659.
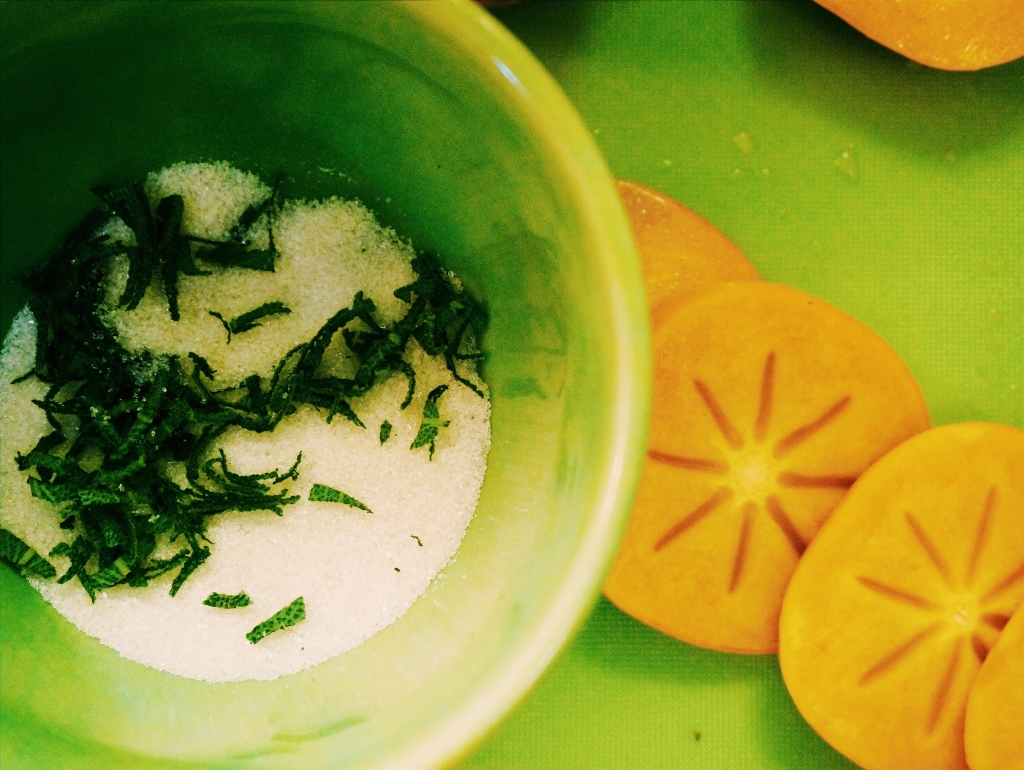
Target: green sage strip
x: 227, y: 601
x: 23, y: 557
x: 252, y: 319
x: 289, y: 616
x: 432, y: 421
x: 321, y: 493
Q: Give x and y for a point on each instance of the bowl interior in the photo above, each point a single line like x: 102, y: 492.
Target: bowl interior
x: 446, y: 128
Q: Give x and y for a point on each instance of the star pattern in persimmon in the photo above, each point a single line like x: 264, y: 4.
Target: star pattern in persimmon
x: 750, y: 470
x: 966, y: 607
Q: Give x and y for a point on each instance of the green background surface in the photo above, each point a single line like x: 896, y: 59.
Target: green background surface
x: 891, y: 190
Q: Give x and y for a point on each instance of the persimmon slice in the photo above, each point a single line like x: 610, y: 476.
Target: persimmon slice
x: 902, y: 595
x: 679, y: 250
x: 947, y: 34
x: 768, y: 404
x: 995, y: 707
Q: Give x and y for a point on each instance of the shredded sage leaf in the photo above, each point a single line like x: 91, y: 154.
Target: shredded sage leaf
x: 235, y: 250
x: 321, y: 493
x: 252, y: 318
x: 289, y: 616
x: 432, y: 421
x: 17, y: 553
x: 227, y: 601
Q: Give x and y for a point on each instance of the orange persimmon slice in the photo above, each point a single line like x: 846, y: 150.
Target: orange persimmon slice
x: 903, y: 593
x: 995, y: 707
x: 768, y: 403
x: 679, y: 251
x: 947, y: 34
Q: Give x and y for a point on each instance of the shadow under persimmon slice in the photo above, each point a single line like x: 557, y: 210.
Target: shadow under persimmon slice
x: 995, y: 706
x: 767, y: 405
x: 947, y: 34
x: 679, y: 251
x: 903, y: 593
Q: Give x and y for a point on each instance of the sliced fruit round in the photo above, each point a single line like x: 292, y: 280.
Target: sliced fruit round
x: 679, y: 251
x: 902, y: 594
x: 947, y: 34
x: 995, y: 707
x: 768, y: 404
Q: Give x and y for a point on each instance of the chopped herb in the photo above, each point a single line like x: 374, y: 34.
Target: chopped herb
x: 418, y: 541
x: 78, y: 553
x: 141, y: 413
x: 289, y: 616
x: 432, y: 421
x: 159, y: 243
x: 235, y: 251
x: 251, y: 319
x: 227, y: 601
x: 385, y: 432
x: 397, y: 570
x: 196, y: 557
x: 23, y: 557
x: 451, y: 322
x: 110, y: 575
x: 321, y: 493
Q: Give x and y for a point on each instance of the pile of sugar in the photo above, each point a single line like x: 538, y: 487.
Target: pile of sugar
x: 358, y: 572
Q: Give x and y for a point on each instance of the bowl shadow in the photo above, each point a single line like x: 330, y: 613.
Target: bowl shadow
x: 826, y: 66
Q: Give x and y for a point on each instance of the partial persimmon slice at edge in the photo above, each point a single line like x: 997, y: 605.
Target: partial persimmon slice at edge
x: 680, y: 252
x: 947, y: 34
x: 768, y: 404
x: 902, y: 595
x: 995, y: 706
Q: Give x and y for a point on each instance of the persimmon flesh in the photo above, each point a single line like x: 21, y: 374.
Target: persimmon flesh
x: 995, y: 707
x: 903, y: 593
x: 946, y: 34
x: 679, y: 251
x: 768, y: 403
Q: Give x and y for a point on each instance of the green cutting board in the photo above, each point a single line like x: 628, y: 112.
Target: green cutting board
x: 891, y: 190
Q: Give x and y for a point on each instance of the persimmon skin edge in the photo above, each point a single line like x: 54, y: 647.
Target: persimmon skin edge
x: 945, y: 34
x: 995, y: 707
x: 680, y: 252
x: 710, y: 568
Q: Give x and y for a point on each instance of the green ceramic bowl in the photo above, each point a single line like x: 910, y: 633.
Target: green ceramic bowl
x: 446, y: 127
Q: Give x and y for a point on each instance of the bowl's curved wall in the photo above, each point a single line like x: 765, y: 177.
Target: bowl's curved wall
x: 446, y: 127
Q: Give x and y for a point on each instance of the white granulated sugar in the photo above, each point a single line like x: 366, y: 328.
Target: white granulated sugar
x: 357, y: 572
x: 328, y: 250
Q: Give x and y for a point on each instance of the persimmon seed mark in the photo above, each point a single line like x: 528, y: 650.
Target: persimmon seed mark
x: 979, y: 647
x: 698, y: 513
x: 995, y: 620
x: 742, y: 547
x: 800, y: 480
x: 764, y: 409
x: 898, y: 654
x: 898, y: 594
x: 781, y: 518
x: 982, y: 536
x: 942, y: 693
x: 689, y: 463
x: 728, y: 430
x: 804, y: 432
x: 929, y: 548
x: 1001, y: 586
